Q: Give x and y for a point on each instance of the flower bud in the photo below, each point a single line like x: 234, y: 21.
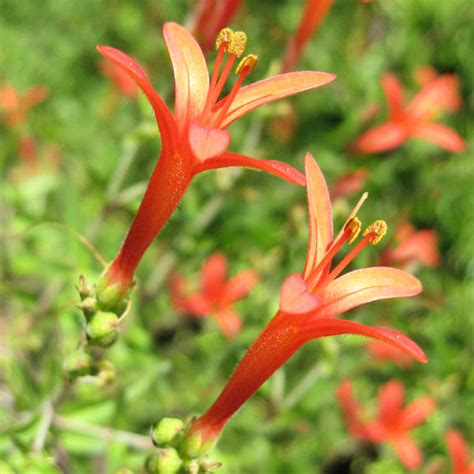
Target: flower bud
x: 165, y: 431
x: 85, y: 288
x: 194, y: 447
x: 109, y: 296
x: 208, y: 465
x: 107, y: 373
x: 102, y: 328
x: 78, y: 363
x: 88, y: 306
x: 166, y: 461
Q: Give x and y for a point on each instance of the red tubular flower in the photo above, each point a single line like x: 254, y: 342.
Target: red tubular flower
x: 414, y: 248
x: 415, y: 120
x: 309, y: 304
x: 15, y: 107
x: 312, y: 17
x: 394, y: 422
x: 210, y: 17
x: 194, y: 138
x: 217, y: 294
x: 458, y: 453
x: 121, y: 81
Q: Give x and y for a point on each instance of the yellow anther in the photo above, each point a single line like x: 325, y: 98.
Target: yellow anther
x: 378, y: 229
x: 224, y: 36
x: 248, y: 62
x: 238, y: 42
x: 354, y: 225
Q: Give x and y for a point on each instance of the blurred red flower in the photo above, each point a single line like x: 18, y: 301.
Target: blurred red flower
x: 394, y: 422
x: 194, y: 138
x: 414, y: 247
x: 210, y: 17
x: 121, y: 81
x: 437, y: 95
x: 217, y: 294
x: 15, y: 107
x: 309, y: 304
x: 458, y: 453
x: 349, y: 183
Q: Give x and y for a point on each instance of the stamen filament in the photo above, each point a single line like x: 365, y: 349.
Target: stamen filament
x: 215, y: 76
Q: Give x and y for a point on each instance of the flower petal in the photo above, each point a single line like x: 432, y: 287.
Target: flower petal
x: 190, y: 73
x: 407, y: 450
x: 272, y: 89
x: 416, y: 412
x: 394, y: 94
x: 365, y: 285
x: 228, y: 322
x: 276, y: 168
x: 319, y: 214
x: 315, y: 328
x: 391, y: 398
x: 239, y: 286
x: 295, y: 297
x: 385, y: 137
x: 207, y: 142
x: 440, y: 135
x: 163, y: 115
x: 213, y: 274
x: 457, y: 450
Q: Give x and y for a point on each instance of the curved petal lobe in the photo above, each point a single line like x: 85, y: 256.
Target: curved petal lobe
x: 272, y: 89
x: 228, y: 321
x: 407, y: 450
x: 440, y: 135
x: 276, y: 168
x: 382, y: 138
x: 295, y: 297
x: 207, y: 142
x: 239, y: 286
x: 416, y: 412
x: 190, y: 73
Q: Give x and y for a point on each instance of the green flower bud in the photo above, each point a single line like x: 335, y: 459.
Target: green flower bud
x: 107, y: 373
x: 109, y: 296
x: 191, y: 467
x: 78, y: 363
x: 166, y: 461
x: 85, y: 288
x: 193, y: 446
x: 102, y: 328
x: 208, y: 465
x: 165, y: 431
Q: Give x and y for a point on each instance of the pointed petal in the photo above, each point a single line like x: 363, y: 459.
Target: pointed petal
x: 457, y: 450
x: 196, y: 305
x: 385, y: 137
x: 440, y: 135
x: 207, y: 142
x: 213, y: 274
x: 417, y: 412
x: 394, y: 94
x: 295, y: 297
x: 365, y: 285
x: 276, y: 168
x: 239, y: 286
x: 315, y: 328
x: 163, y: 115
x: 190, y: 73
x: 272, y: 89
x: 320, y: 214
x: 439, y: 94
x: 228, y: 322
x: 391, y: 397
x: 407, y: 451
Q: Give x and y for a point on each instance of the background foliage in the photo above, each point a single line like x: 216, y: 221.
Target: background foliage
x: 106, y: 148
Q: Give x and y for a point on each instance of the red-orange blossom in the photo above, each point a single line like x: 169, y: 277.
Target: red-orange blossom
x: 194, y: 137
x: 309, y: 305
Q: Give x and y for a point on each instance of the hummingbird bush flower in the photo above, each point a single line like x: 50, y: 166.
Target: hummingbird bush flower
x: 394, y: 421
x: 311, y: 19
x: 458, y: 452
x: 414, y: 248
x: 194, y: 137
x: 217, y: 294
x: 416, y: 119
x: 309, y: 306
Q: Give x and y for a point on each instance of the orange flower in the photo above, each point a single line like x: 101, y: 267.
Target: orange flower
x: 394, y: 422
x: 15, y: 107
x: 414, y: 247
x: 311, y: 19
x: 310, y: 304
x: 217, y: 294
x: 194, y: 138
x: 416, y: 119
x: 458, y: 452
